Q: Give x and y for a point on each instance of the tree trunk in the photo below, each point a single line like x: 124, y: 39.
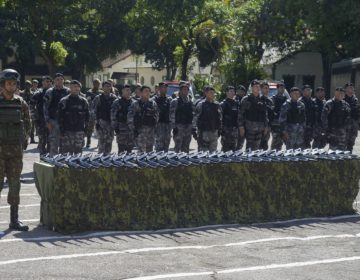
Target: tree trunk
x: 184, y: 63
x: 326, y: 65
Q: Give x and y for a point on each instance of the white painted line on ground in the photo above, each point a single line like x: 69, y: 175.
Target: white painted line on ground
x: 24, y: 194
x: 26, y: 221
x: 250, y: 268
x: 21, y: 206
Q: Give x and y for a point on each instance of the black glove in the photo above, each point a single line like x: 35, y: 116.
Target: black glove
x: 194, y: 133
x: 97, y: 126
x: 175, y: 131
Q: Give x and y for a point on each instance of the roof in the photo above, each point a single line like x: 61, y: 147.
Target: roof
x: 109, y: 62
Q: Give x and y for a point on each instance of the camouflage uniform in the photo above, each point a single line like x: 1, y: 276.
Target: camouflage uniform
x: 37, y: 115
x: 90, y: 95
x: 102, y: 109
x: 124, y: 136
x: 241, y: 140
x: 310, y: 121
x: 277, y: 141
x: 292, y: 121
x: 253, y: 117
x: 52, y: 98
x: 335, y: 117
x: 142, y: 119
x: 27, y: 95
x: 352, y: 126
x: 181, y: 116
x: 73, y: 122
x: 208, y: 121
x: 319, y: 136
x: 11, y: 144
x: 264, y: 144
x: 230, y: 125
x: 163, y: 128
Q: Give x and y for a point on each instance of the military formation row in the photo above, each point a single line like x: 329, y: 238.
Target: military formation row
x: 64, y: 117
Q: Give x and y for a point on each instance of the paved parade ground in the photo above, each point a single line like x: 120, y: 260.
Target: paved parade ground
x: 318, y: 248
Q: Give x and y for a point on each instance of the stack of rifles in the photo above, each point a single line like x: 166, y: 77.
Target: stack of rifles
x: 172, y: 159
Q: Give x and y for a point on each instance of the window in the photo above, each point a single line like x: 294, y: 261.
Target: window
x: 142, y: 80
x: 289, y: 81
x: 152, y: 80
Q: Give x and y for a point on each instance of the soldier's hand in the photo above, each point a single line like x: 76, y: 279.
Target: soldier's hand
x: 242, y: 132
x: 194, y: 133
x: 220, y: 132
x: 97, y: 126
x: 266, y: 130
x: 175, y: 131
x: 285, y: 136
x: 49, y: 126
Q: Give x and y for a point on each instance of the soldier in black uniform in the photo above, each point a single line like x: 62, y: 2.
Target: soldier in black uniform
x: 37, y: 114
x: 90, y: 95
x: 119, y: 111
x: 253, y: 118
x: 52, y: 98
x: 240, y: 93
x: 319, y: 135
x: 230, y: 125
x: 353, y: 126
x: 163, y: 128
x: 208, y: 121
x: 310, y: 115
x: 73, y: 120
x: 142, y: 118
x: 278, y: 100
x: 335, y: 117
x: 270, y: 108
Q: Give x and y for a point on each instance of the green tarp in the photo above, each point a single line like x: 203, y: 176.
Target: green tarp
x: 171, y: 197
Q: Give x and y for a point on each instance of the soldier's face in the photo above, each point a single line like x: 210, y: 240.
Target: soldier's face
x: 137, y: 92
x: 145, y: 94
x: 46, y: 83
x: 35, y: 85
x: 10, y: 86
x: 74, y: 89
x: 265, y: 90
x: 307, y: 92
x: 230, y: 94
x: 126, y: 93
x: 350, y: 91
x: 59, y: 82
x: 281, y: 89
x: 107, y: 88
x: 163, y: 90
x: 320, y: 94
x: 96, y: 85
x: 256, y: 90
x: 295, y: 95
x: 184, y: 91
x: 339, y: 95
x: 210, y: 95
x: 240, y: 92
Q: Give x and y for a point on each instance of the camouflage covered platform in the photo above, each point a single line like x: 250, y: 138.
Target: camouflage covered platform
x: 224, y: 192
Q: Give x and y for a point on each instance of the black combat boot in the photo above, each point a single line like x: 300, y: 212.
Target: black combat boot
x: 32, y: 141
x: 88, y: 142
x: 15, y: 224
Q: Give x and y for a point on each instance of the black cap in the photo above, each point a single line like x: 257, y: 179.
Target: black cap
x: 75, y: 82
x: 280, y: 84
x: 127, y: 86
x: 241, y: 87
x: 35, y: 81
x: 163, y: 84
x: 107, y: 83
x: 255, y: 82
x: 47, y: 78
x: 181, y: 85
x: 59, y: 75
x: 348, y: 84
x: 264, y: 83
x: 306, y: 87
x: 319, y: 89
x: 294, y: 89
x: 96, y: 81
x: 340, y: 89
x: 145, y: 87
x: 230, y: 88
x: 28, y: 82
x: 208, y: 88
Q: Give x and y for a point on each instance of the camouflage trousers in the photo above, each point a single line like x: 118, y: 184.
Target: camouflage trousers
x: 54, y: 138
x: 146, y: 138
x: 264, y: 143
x: 319, y: 138
x: 229, y: 138
x: 124, y: 138
x: 72, y: 142
x: 308, y: 137
x: 337, y: 139
x: 277, y: 141
x: 295, y: 136
x: 90, y: 128
x: 162, y: 137
x: 253, y: 134
x: 11, y: 166
x: 183, y: 138
x: 42, y: 134
x: 240, y: 141
x: 208, y: 140
x: 105, y: 136
x: 351, y: 134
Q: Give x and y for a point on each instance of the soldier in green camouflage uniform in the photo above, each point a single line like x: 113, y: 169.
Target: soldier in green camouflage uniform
x: 73, y: 120
x: 119, y: 111
x: 90, y: 95
x: 335, y: 117
x: 15, y: 123
x: 142, y: 119
x: 27, y: 94
x: 102, y: 110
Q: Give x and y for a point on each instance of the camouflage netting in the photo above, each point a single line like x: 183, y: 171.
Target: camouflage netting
x: 187, y: 196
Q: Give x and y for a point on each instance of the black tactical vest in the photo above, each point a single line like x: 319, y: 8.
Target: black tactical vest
x: 230, y: 110
x: 354, y: 106
x: 257, y: 110
x: 296, y: 113
x: 338, y: 115
x: 56, y: 96
x: 209, y: 118
x: 74, y: 114
x: 11, y: 124
x: 184, y: 112
x: 163, y: 104
x: 278, y: 102
x: 104, y: 109
x: 146, y: 116
x: 124, y: 109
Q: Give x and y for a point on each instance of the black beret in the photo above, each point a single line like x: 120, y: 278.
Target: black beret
x: 59, y: 75
x: 75, y: 82
x: 348, y: 84
x: 306, y: 87
x: 294, y: 89
x: 319, y: 89
x: 163, y: 84
x: 208, y: 88
x: 241, y: 87
x: 229, y: 88
x: 340, y: 89
x: 255, y: 82
x: 181, y: 85
x: 47, y: 78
